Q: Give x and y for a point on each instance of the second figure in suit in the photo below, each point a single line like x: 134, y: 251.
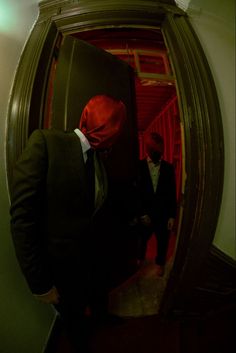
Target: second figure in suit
x: 157, y: 193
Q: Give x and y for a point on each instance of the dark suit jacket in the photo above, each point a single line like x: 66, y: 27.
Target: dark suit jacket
x: 159, y: 205
x: 50, y: 214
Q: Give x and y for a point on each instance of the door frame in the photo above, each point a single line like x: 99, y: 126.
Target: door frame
x: 202, y: 132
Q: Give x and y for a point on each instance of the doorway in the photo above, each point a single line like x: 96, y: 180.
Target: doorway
x: 155, y: 109
x: 201, y: 126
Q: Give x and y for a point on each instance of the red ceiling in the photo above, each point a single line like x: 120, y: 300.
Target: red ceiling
x: 152, y: 98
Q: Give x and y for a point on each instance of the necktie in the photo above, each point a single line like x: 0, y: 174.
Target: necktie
x: 90, y: 178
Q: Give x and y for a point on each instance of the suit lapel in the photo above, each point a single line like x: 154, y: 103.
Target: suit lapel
x: 77, y: 166
x: 101, y: 182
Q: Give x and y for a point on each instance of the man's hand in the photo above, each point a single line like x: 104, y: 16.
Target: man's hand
x: 145, y: 220
x: 51, y: 297
x: 170, y: 223
x: 133, y: 222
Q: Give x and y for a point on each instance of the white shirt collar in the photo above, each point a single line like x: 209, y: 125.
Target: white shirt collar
x: 152, y: 163
x: 84, y: 141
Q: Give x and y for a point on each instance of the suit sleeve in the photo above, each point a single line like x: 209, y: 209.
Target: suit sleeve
x: 27, y: 213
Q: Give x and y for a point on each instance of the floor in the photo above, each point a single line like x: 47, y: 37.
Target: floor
x: 141, y: 294
x: 137, y: 301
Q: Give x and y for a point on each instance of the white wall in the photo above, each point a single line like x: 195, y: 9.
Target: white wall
x: 24, y: 323
x: 214, y: 23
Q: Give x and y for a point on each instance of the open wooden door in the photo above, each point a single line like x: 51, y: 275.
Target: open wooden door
x: 83, y: 71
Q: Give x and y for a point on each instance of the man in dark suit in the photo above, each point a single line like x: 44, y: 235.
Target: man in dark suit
x: 157, y: 199
x: 58, y: 221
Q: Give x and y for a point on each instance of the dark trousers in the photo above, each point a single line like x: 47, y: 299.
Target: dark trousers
x: 162, y: 235
x: 81, y: 286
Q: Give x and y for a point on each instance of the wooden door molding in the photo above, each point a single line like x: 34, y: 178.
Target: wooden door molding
x: 199, y: 107
x: 204, y: 156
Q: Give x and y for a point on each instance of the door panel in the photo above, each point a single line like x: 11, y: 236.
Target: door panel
x: 83, y: 71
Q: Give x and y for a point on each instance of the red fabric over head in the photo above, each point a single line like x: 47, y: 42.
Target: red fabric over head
x: 102, y: 120
x: 153, y: 143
